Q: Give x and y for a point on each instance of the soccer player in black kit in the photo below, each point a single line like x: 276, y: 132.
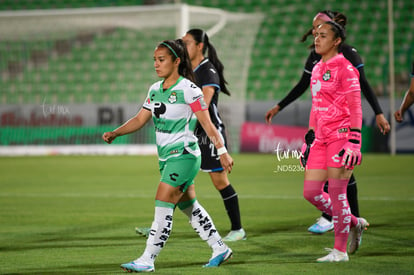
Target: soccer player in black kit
x: 209, y: 76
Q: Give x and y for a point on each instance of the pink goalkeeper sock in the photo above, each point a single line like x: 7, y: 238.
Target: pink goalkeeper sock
x: 313, y: 192
x: 341, y: 213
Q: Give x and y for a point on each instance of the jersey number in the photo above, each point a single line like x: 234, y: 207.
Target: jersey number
x: 213, y: 151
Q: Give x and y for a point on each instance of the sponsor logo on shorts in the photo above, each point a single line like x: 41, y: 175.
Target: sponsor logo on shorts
x: 336, y: 158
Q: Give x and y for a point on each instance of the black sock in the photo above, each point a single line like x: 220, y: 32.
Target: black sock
x: 231, y: 202
x: 352, y: 194
x: 326, y: 216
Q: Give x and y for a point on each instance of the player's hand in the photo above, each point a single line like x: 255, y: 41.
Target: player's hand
x: 108, y: 137
x: 304, y: 155
x: 309, y: 138
x: 271, y: 113
x: 398, y: 116
x: 226, y: 162
x: 382, y: 124
x: 351, y: 152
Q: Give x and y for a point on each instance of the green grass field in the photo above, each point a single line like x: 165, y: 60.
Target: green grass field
x: 77, y: 214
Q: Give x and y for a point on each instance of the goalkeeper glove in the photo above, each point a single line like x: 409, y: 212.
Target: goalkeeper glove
x: 309, y: 138
x: 351, y: 152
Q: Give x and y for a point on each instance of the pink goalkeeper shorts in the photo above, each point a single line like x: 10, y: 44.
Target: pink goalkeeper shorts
x: 323, y: 155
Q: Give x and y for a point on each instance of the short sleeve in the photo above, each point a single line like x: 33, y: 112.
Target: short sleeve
x: 352, y: 55
x: 207, y: 75
x: 313, y: 58
x: 147, y: 102
x: 194, y: 97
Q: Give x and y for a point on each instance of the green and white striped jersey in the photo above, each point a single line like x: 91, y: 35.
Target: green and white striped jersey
x: 173, y: 115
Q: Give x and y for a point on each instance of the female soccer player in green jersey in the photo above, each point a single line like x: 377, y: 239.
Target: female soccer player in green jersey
x: 175, y: 104
x: 208, y: 73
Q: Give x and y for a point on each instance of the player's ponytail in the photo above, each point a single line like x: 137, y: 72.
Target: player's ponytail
x: 185, y: 69
x: 178, y: 49
x: 201, y: 36
x: 338, y: 30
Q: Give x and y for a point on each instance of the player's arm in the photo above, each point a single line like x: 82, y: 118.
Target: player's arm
x: 369, y: 94
x: 205, y: 121
x: 354, y: 104
x: 351, y: 151
x: 294, y: 94
x: 309, y: 138
x: 352, y: 55
x: 406, y: 103
x: 133, y: 124
x: 208, y: 92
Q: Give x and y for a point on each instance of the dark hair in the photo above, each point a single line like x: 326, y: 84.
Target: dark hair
x: 201, y: 36
x: 338, y: 30
x: 338, y: 17
x: 177, y: 49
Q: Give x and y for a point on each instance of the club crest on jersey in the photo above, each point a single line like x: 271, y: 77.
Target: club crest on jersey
x: 173, y: 97
x: 326, y: 76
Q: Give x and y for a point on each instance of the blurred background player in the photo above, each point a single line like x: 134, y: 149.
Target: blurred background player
x: 175, y: 104
x: 324, y: 223
x: 209, y: 77
x: 408, y: 99
x: 336, y: 119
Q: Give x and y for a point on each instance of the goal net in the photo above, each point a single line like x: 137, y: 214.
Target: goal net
x: 69, y: 75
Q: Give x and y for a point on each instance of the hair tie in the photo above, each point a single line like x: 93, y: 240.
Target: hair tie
x: 171, y: 49
x: 339, y: 27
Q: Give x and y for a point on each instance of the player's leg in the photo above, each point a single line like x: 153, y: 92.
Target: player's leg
x: 231, y: 203
x: 324, y: 222
x: 352, y: 193
x: 160, y: 230
x: 315, y: 178
x: 313, y: 190
x: 203, y: 224
x: 342, y: 217
x: 210, y: 162
x: 175, y: 179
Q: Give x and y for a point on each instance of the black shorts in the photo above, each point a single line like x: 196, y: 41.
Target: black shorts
x: 210, y: 161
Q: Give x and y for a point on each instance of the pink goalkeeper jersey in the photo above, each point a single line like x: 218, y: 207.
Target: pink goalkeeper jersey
x: 330, y: 82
